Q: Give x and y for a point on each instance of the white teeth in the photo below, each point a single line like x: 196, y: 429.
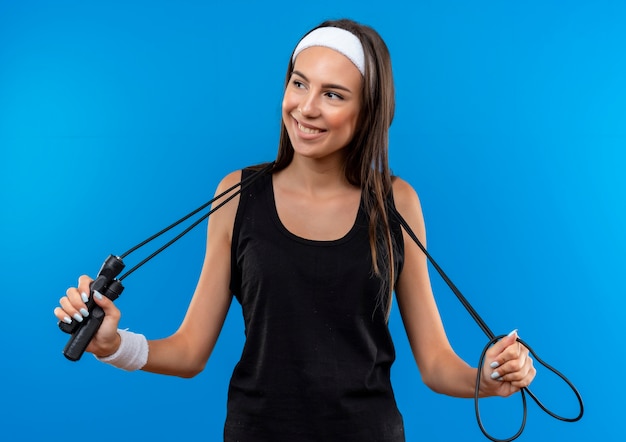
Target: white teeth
x: 307, y: 130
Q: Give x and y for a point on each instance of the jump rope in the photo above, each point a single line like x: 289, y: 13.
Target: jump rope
x: 110, y: 285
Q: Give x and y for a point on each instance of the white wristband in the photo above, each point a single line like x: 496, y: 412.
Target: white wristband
x: 132, y: 353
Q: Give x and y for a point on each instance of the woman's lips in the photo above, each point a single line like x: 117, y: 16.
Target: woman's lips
x: 306, y: 129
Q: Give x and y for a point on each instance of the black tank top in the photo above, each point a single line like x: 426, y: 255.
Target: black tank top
x: 316, y: 361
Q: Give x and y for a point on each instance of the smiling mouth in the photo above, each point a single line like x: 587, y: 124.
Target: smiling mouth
x: 308, y: 130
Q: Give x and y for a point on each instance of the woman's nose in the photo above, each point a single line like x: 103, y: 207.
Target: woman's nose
x: 309, y: 106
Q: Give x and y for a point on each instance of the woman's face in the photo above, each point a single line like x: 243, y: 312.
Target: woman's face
x: 322, y: 102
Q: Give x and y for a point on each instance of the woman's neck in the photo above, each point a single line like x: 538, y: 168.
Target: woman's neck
x: 314, y: 176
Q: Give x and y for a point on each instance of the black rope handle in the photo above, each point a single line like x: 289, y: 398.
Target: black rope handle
x: 492, y: 340
x: 106, y: 283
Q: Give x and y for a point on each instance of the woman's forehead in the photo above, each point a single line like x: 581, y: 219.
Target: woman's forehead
x: 325, y: 62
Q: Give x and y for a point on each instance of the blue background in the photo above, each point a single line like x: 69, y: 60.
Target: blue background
x: 118, y: 117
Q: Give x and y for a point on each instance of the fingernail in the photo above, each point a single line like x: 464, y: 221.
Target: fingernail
x: 97, y: 295
x: 78, y: 317
x: 495, y: 375
x: 84, y: 312
x: 84, y: 296
x: 494, y: 364
x: 512, y: 333
x: 67, y: 320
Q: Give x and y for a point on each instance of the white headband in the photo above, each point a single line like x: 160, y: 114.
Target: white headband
x: 338, y: 39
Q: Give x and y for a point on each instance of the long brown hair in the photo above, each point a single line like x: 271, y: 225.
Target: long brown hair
x: 367, y: 164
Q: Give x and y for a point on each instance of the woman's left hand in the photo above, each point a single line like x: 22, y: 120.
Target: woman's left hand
x: 507, y: 368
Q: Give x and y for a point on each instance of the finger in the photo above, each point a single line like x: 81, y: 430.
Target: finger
x: 520, y: 371
x: 62, y: 315
x: 523, y: 377
x: 501, y: 352
x: 106, y: 340
x: 512, y: 370
x: 110, y: 310
x: 84, y: 286
x: 514, y: 353
x: 78, y: 312
x: 77, y: 298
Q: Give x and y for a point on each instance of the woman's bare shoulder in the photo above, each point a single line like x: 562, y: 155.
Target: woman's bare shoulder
x: 405, y: 197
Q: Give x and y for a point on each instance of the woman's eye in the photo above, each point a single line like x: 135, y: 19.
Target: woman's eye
x: 334, y: 96
x: 298, y: 84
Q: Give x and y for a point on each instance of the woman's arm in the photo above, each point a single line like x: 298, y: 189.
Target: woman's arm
x: 186, y: 352
x: 441, y: 368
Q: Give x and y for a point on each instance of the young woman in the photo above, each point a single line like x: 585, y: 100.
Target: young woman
x: 312, y: 253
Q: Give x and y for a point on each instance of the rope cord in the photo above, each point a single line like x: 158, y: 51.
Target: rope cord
x: 242, y: 185
x: 492, y: 340
x: 473, y: 313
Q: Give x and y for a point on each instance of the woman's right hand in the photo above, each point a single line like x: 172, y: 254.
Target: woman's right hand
x: 73, y: 308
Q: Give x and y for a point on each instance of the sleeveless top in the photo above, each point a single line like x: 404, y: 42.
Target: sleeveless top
x: 317, y: 357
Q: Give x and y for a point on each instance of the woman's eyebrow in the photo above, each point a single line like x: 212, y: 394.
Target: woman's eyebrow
x: 325, y: 86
